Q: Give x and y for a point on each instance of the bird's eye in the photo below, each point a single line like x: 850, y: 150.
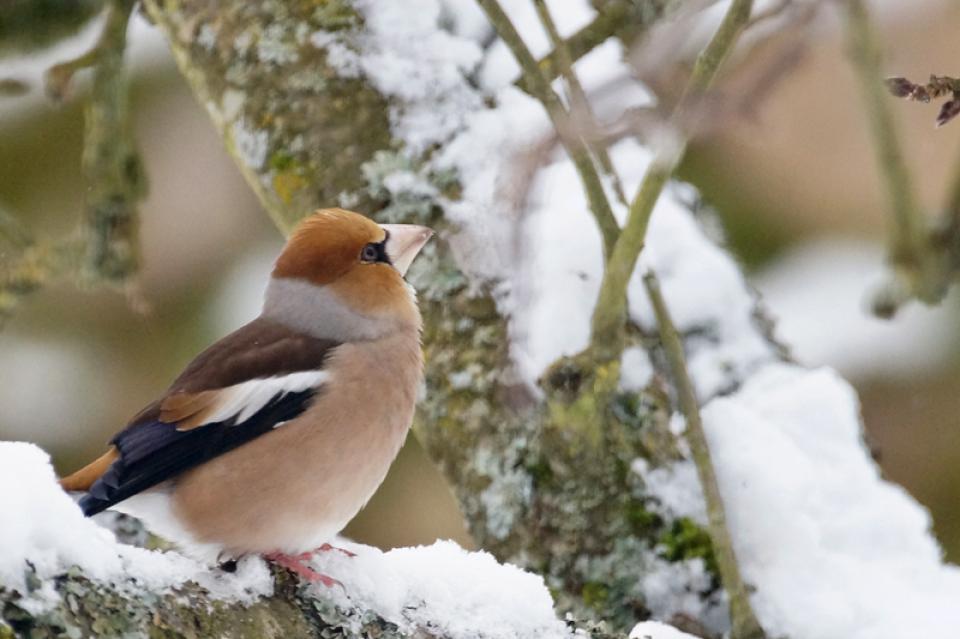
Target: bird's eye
x: 370, y: 253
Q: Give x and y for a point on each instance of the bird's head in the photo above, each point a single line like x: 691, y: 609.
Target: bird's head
x: 340, y: 276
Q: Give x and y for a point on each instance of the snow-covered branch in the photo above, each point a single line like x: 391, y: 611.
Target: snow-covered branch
x: 61, y: 573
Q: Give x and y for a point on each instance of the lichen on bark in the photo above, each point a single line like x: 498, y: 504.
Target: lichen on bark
x: 91, y: 609
x: 299, y: 131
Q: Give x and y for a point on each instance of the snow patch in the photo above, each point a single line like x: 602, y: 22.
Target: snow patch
x: 441, y: 588
x: 701, y: 283
x: 818, y: 295
x: 44, y: 527
x: 636, y: 370
x: 832, y: 549
x: 444, y: 588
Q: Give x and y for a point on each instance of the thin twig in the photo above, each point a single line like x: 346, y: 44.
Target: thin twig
x: 607, y: 331
x: 104, y: 249
x: 952, y: 209
x: 34, y: 266
x: 946, y: 237
x: 580, y: 109
x: 938, y: 86
x: 909, y: 249
x: 612, y: 18
x: 540, y: 88
x: 864, y: 50
x: 743, y: 621
x: 111, y: 164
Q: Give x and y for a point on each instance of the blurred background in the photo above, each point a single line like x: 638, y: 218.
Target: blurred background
x: 795, y: 185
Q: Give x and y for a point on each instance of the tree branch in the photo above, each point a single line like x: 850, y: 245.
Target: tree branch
x: 742, y: 618
x: 609, y: 316
x: 614, y: 18
x: 34, y: 266
x: 540, y: 88
x: 105, y: 248
x: 907, y: 237
x: 580, y: 109
x: 111, y: 164
x: 937, y: 87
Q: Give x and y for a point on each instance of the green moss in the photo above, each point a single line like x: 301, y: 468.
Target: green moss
x: 641, y: 519
x: 686, y: 540
x: 335, y: 15
x: 595, y: 594
x: 281, y: 160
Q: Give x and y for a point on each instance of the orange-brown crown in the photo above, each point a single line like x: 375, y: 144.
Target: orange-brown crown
x: 326, y: 245
x: 326, y: 249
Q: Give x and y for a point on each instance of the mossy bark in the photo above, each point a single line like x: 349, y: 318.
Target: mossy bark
x: 89, y: 609
x: 543, y: 481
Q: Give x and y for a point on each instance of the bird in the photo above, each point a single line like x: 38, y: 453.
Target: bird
x: 272, y: 439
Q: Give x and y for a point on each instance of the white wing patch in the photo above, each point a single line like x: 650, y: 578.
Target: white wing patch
x: 244, y: 400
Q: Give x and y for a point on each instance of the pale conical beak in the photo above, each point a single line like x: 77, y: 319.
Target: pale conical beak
x: 404, y: 241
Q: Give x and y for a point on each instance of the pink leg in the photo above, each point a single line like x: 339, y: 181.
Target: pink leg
x: 293, y: 564
x: 328, y: 548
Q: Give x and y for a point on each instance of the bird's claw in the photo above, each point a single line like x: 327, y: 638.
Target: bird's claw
x: 328, y: 548
x: 294, y: 564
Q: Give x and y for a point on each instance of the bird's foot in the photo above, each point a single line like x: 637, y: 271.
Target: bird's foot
x: 294, y: 563
x: 328, y: 548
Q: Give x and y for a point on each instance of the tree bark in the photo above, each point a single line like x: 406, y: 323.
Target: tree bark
x: 91, y: 609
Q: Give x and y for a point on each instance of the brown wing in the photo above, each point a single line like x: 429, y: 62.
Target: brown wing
x: 153, y: 447
x: 258, y: 350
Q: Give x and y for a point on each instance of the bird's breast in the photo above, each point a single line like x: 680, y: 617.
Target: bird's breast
x: 295, y: 487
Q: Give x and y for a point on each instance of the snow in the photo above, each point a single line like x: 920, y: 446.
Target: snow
x: 832, y: 548
x: 819, y: 293
x: 44, y: 527
x: 636, y: 369
x: 564, y: 266
x: 445, y: 588
x: 441, y: 588
x: 657, y: 630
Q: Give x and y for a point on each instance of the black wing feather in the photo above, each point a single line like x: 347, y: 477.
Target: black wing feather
x: 153, y: 451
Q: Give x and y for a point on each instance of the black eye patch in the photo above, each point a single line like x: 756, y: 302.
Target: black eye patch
x: 375, y: 252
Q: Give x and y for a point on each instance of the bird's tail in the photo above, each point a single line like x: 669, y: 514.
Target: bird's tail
x: 86, y: 476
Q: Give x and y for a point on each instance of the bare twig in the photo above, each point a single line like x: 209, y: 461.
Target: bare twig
x: 111, y: 164
x: 743, y: 621
x: 946, y: 236
x: 613, y: 18
x: 607, y: 331
x: 540, y: 88
x: 37, y: 264
x: 580, y: 109
x: 104, y: 250
x: 937, y: 87
x: 865, y: 55
x: 918, y: 269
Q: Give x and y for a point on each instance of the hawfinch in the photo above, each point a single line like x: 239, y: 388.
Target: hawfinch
x: 274, y: 438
